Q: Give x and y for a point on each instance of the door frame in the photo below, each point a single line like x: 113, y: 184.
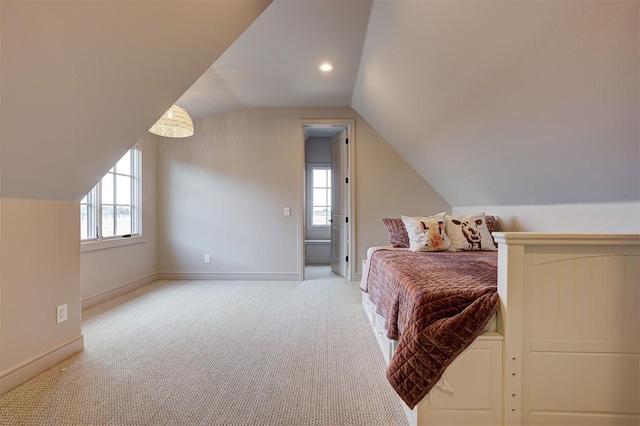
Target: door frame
x: 350, y: 124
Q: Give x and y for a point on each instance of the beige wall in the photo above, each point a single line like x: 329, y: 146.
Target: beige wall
x: 222, y: 192
x: 107, y: 272
x: 78, y: 65
x: 40, y: 270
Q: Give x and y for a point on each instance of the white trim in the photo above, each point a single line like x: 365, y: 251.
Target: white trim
x: 117, y: 291
x: 350, y: 123
x: 107, y: 243
x: 30, y: 368
x: 533, y: 238
x: 228, y: 276
x: 95, y: 206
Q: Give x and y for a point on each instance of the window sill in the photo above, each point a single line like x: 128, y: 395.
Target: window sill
x: 110, y: 243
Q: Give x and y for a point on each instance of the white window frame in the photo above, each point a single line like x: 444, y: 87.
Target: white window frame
x: 94, y: 210
x: 310, y: 168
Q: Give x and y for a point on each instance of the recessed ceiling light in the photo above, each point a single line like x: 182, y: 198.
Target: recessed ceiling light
x: 326, y: 67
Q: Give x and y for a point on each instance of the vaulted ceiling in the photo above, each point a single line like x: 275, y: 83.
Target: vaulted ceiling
x: 492, y: 102
x: 275, y: 62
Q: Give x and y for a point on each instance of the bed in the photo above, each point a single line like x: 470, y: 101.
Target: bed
x: 563, y: 347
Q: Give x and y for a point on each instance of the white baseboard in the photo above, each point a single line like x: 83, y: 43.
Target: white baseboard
x: 117, y: 291
x: 229, y: 276
x: 30, y: 368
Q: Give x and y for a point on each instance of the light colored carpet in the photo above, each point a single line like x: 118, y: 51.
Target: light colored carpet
x: 218, y: 353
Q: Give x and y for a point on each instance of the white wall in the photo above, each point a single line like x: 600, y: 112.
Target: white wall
x: 111, y: 271
x: 40, y: 258
x: 222, y: 192
x: 610, y: 218
x: 318, y: 150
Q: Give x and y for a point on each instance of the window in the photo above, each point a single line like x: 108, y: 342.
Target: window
x: 320, y: 195
x: 112, y: 208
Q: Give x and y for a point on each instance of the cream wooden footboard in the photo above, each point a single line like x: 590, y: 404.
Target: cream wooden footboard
x: 567, y: 346
x: 571, y: 327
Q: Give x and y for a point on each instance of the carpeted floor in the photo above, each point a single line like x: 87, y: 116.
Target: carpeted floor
x: 218, y: 353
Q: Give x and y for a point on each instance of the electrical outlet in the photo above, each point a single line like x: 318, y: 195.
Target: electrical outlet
x: 61, y: 313
x: 207, y: 258
x: 287, y: 211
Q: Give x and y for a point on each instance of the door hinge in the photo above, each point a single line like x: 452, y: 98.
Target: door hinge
x: 346, y: 219
x: 346, y: 259
x: 346, y: 180
x: 346, y: 141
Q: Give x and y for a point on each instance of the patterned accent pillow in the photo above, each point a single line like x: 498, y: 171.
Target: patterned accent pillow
x: 491, y: 223
x: 398, y: 237
x: 470, y: 233
x: 427, y: 233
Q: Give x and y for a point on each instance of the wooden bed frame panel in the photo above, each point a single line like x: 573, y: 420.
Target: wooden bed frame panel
x: 570, y: 318
x: 568, y: 341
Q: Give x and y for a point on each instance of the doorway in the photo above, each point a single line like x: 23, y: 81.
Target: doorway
x: 327, y: 197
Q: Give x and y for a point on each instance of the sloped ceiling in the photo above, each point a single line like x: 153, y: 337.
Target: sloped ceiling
x: 275, y: 62
x: 492, y: 102
x: 508, y: 102
x: 82, y: 81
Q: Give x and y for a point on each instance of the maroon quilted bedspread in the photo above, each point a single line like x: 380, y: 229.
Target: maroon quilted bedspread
x: 435, y: 304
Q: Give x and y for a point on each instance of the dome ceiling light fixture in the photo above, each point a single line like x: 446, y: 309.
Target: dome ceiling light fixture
x: 175, y: 123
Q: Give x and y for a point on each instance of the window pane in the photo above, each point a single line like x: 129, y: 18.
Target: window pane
x: 115, y: 205
x: 319, y: 197
x: 320, y: 178
x: 124, y: 165
x: 84, y: 222
x: 123, y: 190
x: 124, y: 220
x: 107, y: 189
x: 107, y: 221
x: 320, y: 216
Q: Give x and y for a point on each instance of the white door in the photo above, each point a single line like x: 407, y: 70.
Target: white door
x: 339, y: 194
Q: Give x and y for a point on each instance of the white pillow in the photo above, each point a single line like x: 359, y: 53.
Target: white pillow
x: 427, y: 233
x: 470, y: 233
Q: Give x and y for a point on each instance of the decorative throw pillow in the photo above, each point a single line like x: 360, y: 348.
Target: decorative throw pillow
x: 427, y: 233
x: 470, y: 233
x: 398, y: 237
x: 491, y: 223
x: 492, y: 226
